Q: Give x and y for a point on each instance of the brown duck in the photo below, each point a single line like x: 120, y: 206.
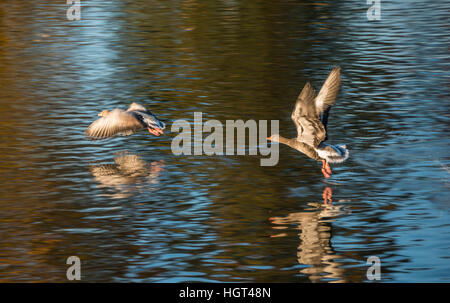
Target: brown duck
x: 310, y: 116
x: 120, y: 122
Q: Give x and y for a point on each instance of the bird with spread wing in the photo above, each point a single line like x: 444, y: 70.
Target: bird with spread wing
x: 310, y: 116
x: 120, y: 122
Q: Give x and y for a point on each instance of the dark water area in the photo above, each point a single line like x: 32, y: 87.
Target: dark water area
x: 132, y: 211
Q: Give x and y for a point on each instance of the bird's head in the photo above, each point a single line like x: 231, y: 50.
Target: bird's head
x: 274, y: 138
x: 104, y: 113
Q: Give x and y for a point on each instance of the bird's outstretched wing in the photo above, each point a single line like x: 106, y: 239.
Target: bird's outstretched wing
x: 137, y: 107
x: 329, y: 91
x: 117, y: 122
x: 304, y: 106
x: 310, y: 129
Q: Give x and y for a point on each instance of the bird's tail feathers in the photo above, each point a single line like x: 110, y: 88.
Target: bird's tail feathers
x: 334, y: 153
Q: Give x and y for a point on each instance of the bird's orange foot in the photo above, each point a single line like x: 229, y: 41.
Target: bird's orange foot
x: 326, y: 167
x: 155, y: 131
x: 325, y: 174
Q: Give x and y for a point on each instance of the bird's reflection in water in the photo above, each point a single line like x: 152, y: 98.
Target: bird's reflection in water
x: 315, y: 248
x: 128, y: 176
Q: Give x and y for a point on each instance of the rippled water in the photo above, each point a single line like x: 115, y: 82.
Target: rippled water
x: 133, y: 211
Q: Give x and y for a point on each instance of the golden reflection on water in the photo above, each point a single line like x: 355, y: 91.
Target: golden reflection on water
x: 129, y: 175
x: 315, y: 249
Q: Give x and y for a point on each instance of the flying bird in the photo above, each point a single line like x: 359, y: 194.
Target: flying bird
x: 120, y: 122
x: 310, y: 116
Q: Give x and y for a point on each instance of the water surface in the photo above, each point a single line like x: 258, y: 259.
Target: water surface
x: 134, y: 212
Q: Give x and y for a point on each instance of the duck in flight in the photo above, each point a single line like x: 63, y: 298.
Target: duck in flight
x: 120, y: 122
x: 310, y: 116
